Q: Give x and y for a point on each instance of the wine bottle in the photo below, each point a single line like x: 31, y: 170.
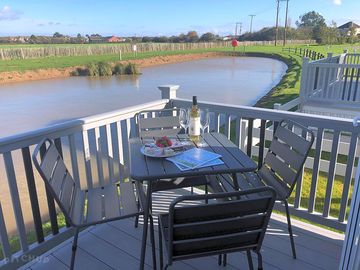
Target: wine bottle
x: 194, y: 123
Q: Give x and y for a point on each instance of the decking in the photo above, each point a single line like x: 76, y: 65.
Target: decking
x: 117, y: 246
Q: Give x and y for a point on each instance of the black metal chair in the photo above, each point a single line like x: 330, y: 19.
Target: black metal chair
x: 230, y: 222
x: 282, y: 165
x: 83, y: 208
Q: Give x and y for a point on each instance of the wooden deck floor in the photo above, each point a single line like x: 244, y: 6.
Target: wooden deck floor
x: 116, y: 245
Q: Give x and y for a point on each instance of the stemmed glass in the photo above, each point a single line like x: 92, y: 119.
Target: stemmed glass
x: 204, y: 124
x: 184, y: 119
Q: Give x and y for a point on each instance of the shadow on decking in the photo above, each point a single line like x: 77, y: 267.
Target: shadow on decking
x: 117, y: 246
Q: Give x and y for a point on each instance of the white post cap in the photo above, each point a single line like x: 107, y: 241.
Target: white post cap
x: 168, y: 91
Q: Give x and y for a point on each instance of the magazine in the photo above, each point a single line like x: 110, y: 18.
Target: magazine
x: 196, y: 158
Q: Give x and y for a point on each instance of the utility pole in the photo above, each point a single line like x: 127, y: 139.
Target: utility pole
x: 286, y: 20
x: 238, y: 25
x: 277, y: 22
x: 251, y: 21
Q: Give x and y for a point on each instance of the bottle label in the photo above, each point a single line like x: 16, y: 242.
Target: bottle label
x: 194, y: 126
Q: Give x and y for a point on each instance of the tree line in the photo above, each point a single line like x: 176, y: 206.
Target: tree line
x: 310, y: 25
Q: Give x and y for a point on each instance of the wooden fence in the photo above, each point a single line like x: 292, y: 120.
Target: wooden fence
x: 40, y: 51
x: 313, y: 55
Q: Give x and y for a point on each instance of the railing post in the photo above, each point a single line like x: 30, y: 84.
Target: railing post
x: 304, y: 81
x: 350, y: 251
x: 277, y: 106
x: 168, y: 91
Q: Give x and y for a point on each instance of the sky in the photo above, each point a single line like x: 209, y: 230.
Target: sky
x: 158, y: 17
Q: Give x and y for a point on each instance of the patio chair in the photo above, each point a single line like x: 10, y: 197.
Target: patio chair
x: 155, y: 124
x: 230, y: 222
x: 282, y: 165
x: 103, y: 204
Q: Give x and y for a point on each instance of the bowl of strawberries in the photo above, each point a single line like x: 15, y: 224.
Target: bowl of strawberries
x: 163, y: 142
x: 162, y: 147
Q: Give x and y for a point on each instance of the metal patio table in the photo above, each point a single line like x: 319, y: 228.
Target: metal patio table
x: 150, y: 170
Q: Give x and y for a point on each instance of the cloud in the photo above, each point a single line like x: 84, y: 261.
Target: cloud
x: 7, y: 14
x: 337, y: 2
x: 48, y: 23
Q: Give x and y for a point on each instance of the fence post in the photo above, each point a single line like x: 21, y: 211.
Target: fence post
x: 168, y: 91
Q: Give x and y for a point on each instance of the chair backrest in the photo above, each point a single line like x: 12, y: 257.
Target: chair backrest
x: 158, y: 123
x: 229, y: 222
x: 57, y: 178
x: 286, y: 156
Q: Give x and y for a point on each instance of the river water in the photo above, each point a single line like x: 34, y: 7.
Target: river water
x: 31, y: 105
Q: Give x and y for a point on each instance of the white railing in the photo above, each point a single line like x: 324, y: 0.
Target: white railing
x: 331, y: 160
x: 333, y: 81
x: 96, y: 148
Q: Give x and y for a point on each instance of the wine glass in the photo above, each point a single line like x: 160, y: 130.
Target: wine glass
x: 184, y: 119
x: 204, y: 124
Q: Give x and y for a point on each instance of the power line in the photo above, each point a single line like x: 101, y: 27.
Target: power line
x: 251, y: 21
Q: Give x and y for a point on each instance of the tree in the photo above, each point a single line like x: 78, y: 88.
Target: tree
x: 208, y: 37
x: 32, y: 39
x: 57, y: 35
x: 192, y: 36
x: 333, y: 34
x: 79, y: 36
x: 311, y: 19
x: 352, y: 35
x: 314, y: 21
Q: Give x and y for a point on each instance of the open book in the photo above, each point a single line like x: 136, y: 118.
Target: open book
x: 196, y: 158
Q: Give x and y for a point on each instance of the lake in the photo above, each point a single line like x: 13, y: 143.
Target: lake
x: 235, y: 80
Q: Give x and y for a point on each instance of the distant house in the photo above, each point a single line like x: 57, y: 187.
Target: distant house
x: 114, y: 39
x: 96, y: 39
x: 226, y: 38
x: 346, y: 28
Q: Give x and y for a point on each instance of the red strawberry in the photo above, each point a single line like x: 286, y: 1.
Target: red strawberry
x: 163, y: 142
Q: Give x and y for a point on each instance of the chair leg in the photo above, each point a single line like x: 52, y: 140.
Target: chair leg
x: 161, y: 255
x: 290, y: 229
x: 206, y: 192
x: 225, y: 259
x: 137, y: 216
x: 260, y: 262
x: 73, y: 249
x: 248, y: 254
x: 152, y: 239
x: 219, y: 259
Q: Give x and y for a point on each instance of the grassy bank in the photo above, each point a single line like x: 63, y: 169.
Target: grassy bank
x: 73, y: 61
